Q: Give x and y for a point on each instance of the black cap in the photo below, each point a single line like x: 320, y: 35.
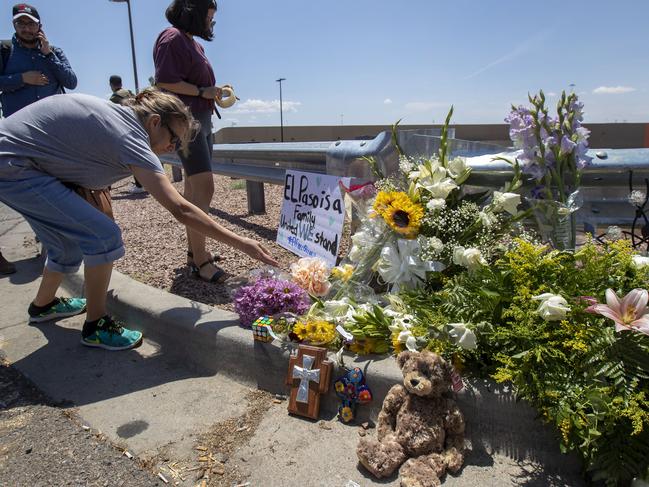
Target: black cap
x: 24, y: 10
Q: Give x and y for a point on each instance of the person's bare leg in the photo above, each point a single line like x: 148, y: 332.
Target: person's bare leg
x: 97, y: 279
x: 50, y: 283
x: 202, y: 190
x: 188, y: 195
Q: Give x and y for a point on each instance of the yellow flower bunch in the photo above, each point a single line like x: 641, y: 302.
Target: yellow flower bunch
x: 362, y: 347
x: 399, y: 212
x: 315, y: 331
x: 342, y: 272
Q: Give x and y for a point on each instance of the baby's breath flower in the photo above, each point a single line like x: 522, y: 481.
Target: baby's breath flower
x: 637, y: 198
x: 614, y: 232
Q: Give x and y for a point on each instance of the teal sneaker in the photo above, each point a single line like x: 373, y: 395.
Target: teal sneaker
x: 60, y: 308
x: 108, y: 334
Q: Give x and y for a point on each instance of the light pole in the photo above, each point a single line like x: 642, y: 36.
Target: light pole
x: 130, y: 25
x: 281, y: 113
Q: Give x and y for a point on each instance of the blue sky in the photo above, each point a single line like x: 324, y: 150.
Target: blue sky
x: 374, y: 62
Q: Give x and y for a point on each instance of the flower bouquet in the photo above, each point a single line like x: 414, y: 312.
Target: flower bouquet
x: 267, y: 297
x: 553, y: 153
x: 425, y: 220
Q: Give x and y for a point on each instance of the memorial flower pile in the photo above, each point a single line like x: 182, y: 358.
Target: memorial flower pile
x: 436, y: 265
x: 456, y: 280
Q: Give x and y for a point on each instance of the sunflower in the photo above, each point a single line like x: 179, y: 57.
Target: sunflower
x: 399, y: 212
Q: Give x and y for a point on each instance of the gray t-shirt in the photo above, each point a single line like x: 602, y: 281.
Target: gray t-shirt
x: 77, y: 139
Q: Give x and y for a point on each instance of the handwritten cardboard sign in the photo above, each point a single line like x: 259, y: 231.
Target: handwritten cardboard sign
x: 313, y: 212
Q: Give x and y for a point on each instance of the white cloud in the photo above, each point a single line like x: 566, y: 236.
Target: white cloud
x: 264, y: 106
x: 423, y: 106
x: 387, y: 101
x: 613, y: 90
x: 551, y: 94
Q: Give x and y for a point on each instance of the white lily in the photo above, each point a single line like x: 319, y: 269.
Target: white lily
x: 506, y: 202
x: 463, y: 336
x: 456, y: 167
x: 401, y: 266
x: 435, y: 180
x: 553, y: 307
x: 425, y: 170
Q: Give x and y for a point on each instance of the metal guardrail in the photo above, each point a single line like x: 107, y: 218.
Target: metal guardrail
x: 605, y: 184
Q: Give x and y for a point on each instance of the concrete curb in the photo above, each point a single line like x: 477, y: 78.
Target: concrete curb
x: 212, y: 340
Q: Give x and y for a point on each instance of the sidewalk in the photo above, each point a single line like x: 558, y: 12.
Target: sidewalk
x: 193, y: 384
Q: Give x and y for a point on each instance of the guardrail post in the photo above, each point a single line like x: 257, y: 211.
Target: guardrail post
x: 176, y: 174
x: 256, y: 198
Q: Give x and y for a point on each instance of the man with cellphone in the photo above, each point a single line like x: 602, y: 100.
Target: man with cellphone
x: 32, y: 69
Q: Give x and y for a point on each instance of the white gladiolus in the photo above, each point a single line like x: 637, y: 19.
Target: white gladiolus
x: 506, y: 202
x: 463, y: 336
x: 553, y: 307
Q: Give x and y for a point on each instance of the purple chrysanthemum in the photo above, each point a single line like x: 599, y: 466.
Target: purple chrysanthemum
x: 267, y: 297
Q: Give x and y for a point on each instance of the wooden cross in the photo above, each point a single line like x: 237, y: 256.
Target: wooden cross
x: 309, y: 374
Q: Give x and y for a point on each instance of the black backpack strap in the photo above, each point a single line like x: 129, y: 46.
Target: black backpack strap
x: 5, y: 51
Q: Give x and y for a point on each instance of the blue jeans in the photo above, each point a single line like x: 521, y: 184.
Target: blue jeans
x: 70, y: 228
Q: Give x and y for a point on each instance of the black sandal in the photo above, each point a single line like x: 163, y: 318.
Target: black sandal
x: 190, y: 255
x: 217, y: 277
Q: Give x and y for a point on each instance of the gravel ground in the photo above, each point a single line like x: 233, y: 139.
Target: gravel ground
x: 43, y: 445
x: 156, y: 243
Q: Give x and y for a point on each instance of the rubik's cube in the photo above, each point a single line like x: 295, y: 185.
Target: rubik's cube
x: 261, y: 327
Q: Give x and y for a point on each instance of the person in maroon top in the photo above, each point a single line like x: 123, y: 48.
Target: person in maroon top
x: 182, y: 68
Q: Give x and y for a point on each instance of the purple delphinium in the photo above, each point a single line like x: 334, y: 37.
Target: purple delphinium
x: 268, y: 297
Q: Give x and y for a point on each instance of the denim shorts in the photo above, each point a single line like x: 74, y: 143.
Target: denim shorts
x: 70, y: 228
x: 199, y: 157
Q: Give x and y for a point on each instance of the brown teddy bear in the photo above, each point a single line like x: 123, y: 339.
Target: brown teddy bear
x: 418, y: 424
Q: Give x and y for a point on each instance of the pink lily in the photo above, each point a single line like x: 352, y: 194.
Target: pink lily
x: 629, y: 313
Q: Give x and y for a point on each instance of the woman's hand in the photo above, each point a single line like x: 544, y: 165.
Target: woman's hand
x: 158, y: 186
x: 257, y: 251
x: 212, y: 92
